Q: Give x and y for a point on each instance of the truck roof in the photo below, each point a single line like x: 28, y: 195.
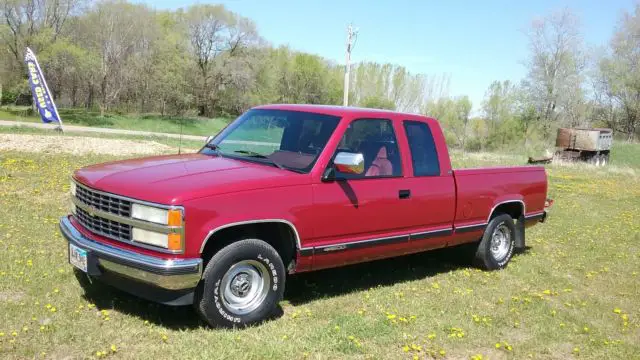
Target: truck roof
x: 337, y: 110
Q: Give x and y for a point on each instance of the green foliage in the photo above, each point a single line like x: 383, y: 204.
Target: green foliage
x: 376, y: 102
x: 118, y: 57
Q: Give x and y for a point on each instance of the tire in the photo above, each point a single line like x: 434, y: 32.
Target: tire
x: 604, y: 161
x: 241, y: 285
x: 498, y: 256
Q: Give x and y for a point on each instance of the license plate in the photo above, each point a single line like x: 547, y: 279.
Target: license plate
x: 78, y: 257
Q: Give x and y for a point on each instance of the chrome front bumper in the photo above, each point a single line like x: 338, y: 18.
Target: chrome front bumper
x: 177, y: 274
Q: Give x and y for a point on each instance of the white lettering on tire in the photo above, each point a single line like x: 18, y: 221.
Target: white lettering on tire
x: 221, y: 311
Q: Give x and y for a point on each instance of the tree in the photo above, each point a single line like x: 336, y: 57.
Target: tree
x: 556, y: 67
x: 499, y: 103
x: 463, y: 105
x: 453, y: 114
x: 34, y: 23
x: 620, y: 76
x: 218, y: 38
x: 391, y: 83
x: 378, y: 103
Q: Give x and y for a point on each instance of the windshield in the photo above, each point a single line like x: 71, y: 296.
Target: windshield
x: 288, y: 139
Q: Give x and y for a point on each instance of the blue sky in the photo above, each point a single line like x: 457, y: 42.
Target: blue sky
x: 475, y: 42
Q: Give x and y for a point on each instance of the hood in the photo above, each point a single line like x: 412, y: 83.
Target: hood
x: 174, y: 179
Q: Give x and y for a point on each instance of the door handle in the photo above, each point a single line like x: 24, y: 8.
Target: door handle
x: 404, y: 194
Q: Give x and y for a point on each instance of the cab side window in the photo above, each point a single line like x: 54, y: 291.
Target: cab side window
x: 423, y: 150
x: 376, y: 140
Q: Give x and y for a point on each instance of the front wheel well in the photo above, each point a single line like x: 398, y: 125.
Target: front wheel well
x: 277, y: 234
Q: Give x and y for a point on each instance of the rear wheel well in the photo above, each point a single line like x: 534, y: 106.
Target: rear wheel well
x: 513, y: 208
x: 279, y: 235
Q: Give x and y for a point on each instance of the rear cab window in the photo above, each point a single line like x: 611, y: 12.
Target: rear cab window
x: 424, y: 156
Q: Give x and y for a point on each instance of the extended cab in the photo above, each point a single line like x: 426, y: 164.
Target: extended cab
x: 286, y: 189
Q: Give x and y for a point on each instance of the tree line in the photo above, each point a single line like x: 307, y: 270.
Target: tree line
x: 204, y: 60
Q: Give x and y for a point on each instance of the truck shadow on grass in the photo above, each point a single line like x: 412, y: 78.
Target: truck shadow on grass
x: 300, y: 289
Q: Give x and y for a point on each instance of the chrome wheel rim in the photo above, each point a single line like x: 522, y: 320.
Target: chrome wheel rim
x: 245, y: 286
x: 500, y: 242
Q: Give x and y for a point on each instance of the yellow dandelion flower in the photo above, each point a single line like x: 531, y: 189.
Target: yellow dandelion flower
x: 431, y: 336
x: 442, y: 353
x: 405, y: 348
x: 285, y: 337
x: 337, y: 328
x: 617, y: 311
x: 113, y: 348
x: 498, y: 345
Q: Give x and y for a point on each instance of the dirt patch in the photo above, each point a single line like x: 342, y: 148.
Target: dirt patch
x: 80, y: 145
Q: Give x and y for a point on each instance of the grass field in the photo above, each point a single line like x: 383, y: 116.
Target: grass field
x: 150, y: 122
x: 573, y: 294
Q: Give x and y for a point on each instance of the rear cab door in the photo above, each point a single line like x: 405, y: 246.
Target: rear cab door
x: 431, y: 182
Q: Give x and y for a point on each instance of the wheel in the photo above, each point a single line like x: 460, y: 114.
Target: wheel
x: 241, y: 285
x: 604, y: 161
x: 497, y: 244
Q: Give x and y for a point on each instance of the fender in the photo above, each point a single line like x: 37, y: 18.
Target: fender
x: 254, y: 221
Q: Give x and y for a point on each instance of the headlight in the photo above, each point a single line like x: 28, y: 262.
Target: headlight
x: 150, y: 213
x: 72, y: 188
x: 171, y: 241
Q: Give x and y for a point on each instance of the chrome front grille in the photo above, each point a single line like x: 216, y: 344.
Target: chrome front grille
x: 104, y: 202
x: 108, y: 204
x: 105, y: 227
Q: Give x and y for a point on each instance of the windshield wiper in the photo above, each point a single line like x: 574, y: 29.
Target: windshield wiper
x: 256, y: 155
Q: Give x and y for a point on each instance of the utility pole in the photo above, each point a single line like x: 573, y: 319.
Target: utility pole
x: 351, y: 34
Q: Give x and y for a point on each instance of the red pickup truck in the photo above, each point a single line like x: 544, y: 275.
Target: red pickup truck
x: 286, y: 189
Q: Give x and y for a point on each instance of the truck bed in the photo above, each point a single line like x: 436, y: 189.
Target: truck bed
x: 479, y: 190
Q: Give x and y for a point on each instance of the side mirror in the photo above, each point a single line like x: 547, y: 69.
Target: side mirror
x: 209, y: 138
x: 350, y: 163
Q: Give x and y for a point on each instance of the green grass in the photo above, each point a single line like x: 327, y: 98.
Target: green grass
x: 572, y: 294
x: 626, y: 154
x: 145, y: 122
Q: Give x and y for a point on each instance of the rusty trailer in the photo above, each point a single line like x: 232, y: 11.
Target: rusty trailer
x: 581, y: 144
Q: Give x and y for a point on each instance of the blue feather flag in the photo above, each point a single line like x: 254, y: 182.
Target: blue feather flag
x: 41, y: 94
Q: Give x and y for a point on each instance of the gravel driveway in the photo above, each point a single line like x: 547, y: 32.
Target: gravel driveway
x: 78, y: 145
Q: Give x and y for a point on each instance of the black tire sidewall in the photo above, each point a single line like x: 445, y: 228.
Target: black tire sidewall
x: 208, y: 300
x: 484, y: 249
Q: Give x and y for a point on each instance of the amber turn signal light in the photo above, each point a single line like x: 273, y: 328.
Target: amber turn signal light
x: 174, y: 218
x: 174, y: 242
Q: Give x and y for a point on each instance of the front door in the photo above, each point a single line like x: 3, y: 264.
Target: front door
x: 359, y: 217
